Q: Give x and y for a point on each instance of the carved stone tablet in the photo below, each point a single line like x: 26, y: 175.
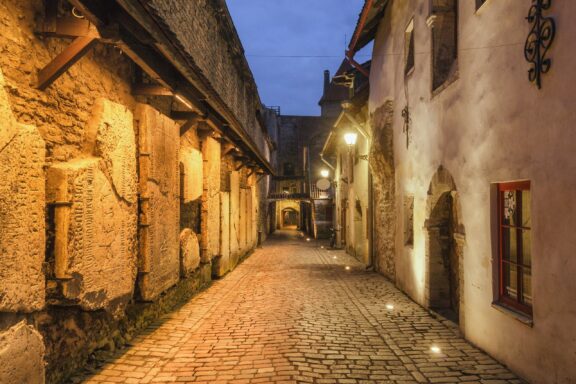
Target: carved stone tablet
x: 189, y: 252
x: 21, y: 355
x: 234, y: 217
x: 95, y: 243
x: 211, y: 199
x: 159, y: 262
x: 191, y: 160
x: 22, y: 201
x: 110, y: 136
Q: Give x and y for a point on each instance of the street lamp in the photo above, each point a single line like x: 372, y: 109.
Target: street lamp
x: 350, y: 138
x: 324, y: 173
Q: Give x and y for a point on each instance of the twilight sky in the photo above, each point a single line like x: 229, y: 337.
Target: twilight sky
x: 270, y: 29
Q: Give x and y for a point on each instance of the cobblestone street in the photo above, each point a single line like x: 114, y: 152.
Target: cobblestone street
x: 296, y: 312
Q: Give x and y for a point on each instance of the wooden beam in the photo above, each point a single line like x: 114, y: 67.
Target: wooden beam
x: 183, y: 115
x: 150, y: 90
x: 67, y: 27
x: 68, y: 57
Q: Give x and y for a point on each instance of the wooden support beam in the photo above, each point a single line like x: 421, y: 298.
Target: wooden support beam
x: 150, y: 90
x: 68, y: 57
x: 67, y: 27
x: 184, y: 115
x: 189, y: 124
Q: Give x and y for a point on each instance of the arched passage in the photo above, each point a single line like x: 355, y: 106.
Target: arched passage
x: 444, y: 251
x: 290, y: 218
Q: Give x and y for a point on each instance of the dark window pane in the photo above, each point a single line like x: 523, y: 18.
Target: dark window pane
x: 526, y: 212
x: 509, y: 245
x: 510, y: 281
x: 526, y: 286
x: 526, y: 248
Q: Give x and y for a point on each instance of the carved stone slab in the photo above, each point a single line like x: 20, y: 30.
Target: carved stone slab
x: 211, y: 199
x: 189, y: 252
x: 22, y: 201
x: 191, y: 160
x: 223, y: 261
x: 110, y: 136
x: 159, y: 256
x: 95, y: 236
x: 234, y: 217
x: 21, y: 355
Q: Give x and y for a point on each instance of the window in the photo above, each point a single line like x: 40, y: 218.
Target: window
x: 479, y: 3
x: 515, y: 238
x: 409, y: 48
x: 408, y: 220
x: 444, y: 41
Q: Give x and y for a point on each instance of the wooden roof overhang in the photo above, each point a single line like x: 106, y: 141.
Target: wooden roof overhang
x: 131, y: 26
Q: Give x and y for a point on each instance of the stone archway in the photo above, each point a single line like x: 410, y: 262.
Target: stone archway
x: 445, y: 248
x: 290, y: 218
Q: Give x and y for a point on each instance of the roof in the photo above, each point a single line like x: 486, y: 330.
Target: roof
x: 335, y: 91
x: 367, y: 25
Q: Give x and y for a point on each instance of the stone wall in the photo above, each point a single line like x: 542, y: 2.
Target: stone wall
x: 108, y: 216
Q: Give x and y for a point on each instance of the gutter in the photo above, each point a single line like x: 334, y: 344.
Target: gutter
x: 351, y: 48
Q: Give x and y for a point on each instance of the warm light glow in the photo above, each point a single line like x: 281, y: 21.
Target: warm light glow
x: 321, y: 247
x: 435, y: 349
x: 347, y: 268
x: 350, y: 138
x: 389, y: 307
x: 324, y: 173
x: 183, y: 101
x: 308, y: 239
x: 334, y: 257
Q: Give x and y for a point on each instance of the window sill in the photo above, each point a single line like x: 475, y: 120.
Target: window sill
x: 521, y: 317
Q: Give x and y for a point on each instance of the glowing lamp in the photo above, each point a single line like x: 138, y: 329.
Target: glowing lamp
x: 324, y: 173
x: 350, y: 138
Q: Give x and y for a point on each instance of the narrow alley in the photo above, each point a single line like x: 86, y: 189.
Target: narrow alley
x: 297, y: 311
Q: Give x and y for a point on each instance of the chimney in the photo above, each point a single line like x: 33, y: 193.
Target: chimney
x: 326, y: 80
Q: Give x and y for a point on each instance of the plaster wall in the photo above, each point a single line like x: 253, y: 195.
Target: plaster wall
x: 490, y: 124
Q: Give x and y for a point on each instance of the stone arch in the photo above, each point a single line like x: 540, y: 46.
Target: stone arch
x: 290, y: 217
x: 445, y: 248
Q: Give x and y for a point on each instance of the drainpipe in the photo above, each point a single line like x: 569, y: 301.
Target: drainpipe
x: 351, y: 51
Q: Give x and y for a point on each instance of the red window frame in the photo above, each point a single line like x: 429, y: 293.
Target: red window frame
x: 503, y: 298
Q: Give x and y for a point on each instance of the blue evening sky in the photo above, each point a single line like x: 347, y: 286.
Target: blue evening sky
x: 270, y: 29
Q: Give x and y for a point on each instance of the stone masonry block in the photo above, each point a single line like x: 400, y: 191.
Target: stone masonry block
x: 21, y: 355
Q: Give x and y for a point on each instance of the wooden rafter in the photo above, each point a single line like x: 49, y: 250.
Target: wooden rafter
x: 150, y: 90
x: 65, y: 59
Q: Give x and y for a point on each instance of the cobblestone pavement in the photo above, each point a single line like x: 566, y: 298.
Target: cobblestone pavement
x: 293, y: 312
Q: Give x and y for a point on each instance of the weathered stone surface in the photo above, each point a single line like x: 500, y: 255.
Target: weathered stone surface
x: 22, y: 155
x: 210, y: 242
x: 21, y: 355
x: 95, y: 239
x: 191, y: 160
x: 222, y: 263
x: 234, y: 217
x: 189, y: 252
x: 110, y: 136
x: 159, y: 263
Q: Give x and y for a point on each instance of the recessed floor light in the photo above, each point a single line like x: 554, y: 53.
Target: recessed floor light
x: 435, y: 349
x: 347, y: 268
x: 334, y: 257
x: 389, y: 307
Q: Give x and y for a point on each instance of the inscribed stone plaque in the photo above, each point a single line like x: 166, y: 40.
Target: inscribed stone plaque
x: 189, y: 252
x: 22, y: 201
x: 223, y: 261
x: 95, y: 236
x: 191, y: 160
x: 21, y: 355
x: 211, y: 199
x: 110, y: 136
x: 159, y: 263
x: 234, y: 217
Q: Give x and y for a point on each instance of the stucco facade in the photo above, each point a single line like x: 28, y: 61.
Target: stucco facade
x: 487, y: 124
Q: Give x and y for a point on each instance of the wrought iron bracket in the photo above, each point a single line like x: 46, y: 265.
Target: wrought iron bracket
x: 539, y: 40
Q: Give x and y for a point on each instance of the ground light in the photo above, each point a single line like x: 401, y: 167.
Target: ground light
x: 435, y: 349
x: 347, y: 268
x: 307, y: 239
x: 389, y: 307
